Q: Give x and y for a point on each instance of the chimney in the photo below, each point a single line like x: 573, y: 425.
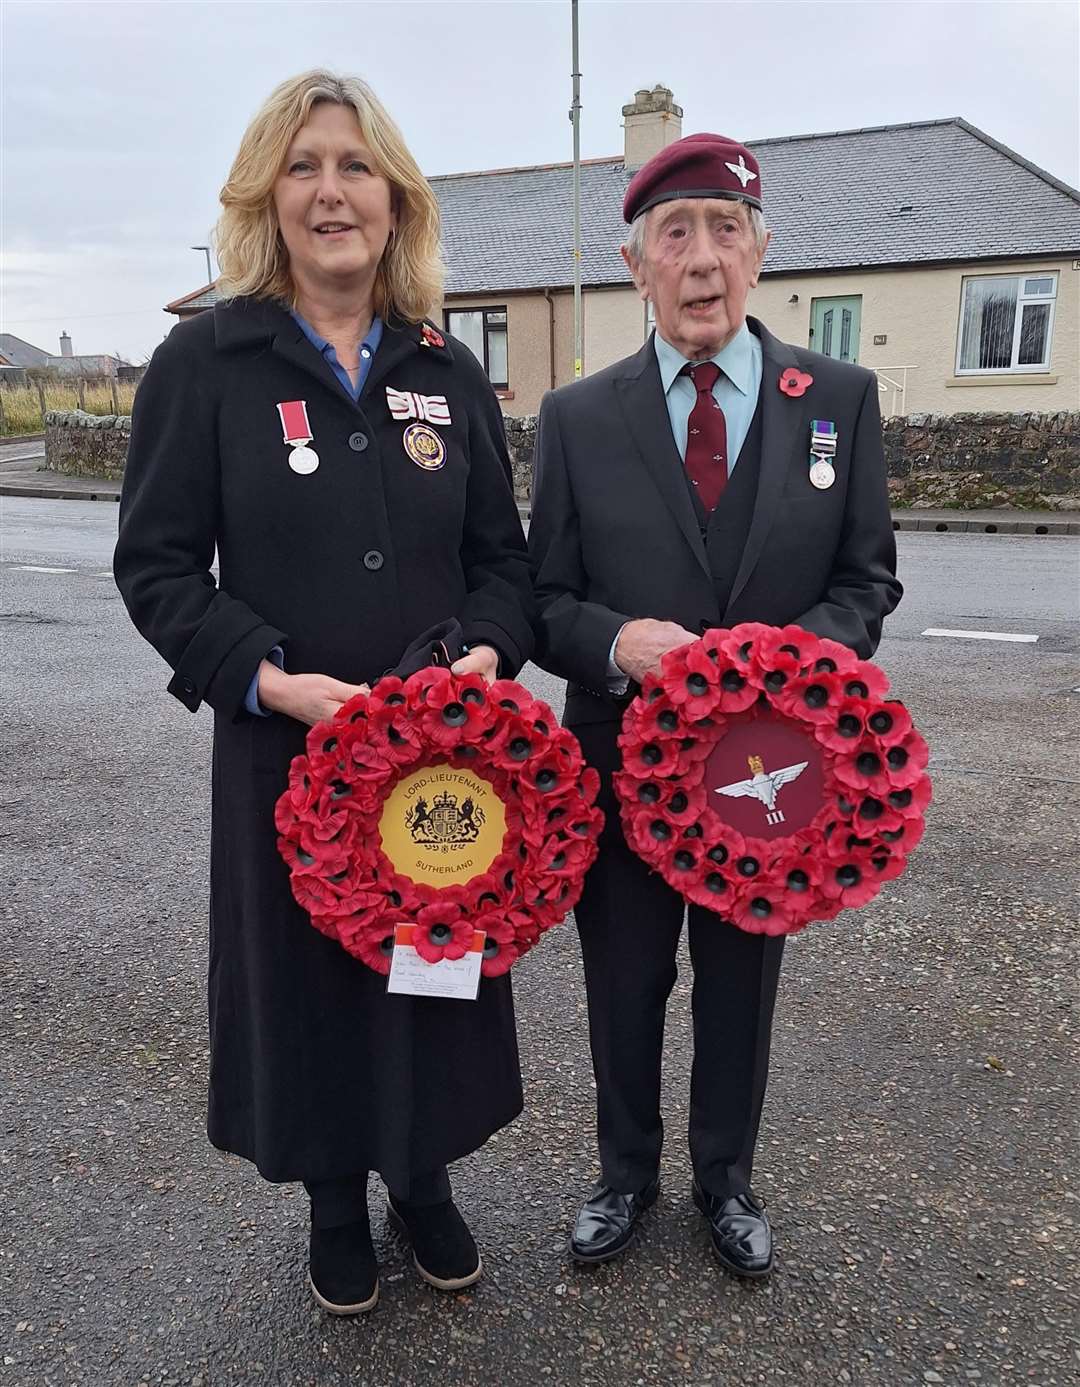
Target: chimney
x: 651, y: 121
x: 65, y: 345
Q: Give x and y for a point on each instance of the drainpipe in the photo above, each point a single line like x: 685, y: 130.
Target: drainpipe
x: 551, y: 334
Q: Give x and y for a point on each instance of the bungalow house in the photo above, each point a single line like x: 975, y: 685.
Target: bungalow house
x: 929, y: 252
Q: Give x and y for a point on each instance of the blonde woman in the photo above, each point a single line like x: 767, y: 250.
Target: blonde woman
x: 263, y: 429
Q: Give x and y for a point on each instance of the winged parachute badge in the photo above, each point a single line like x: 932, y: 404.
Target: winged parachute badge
x: 764, y: 786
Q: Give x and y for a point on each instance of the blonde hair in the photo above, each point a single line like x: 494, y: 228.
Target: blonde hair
x: 250, y: 250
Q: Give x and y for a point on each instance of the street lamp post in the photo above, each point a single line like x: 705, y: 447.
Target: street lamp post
x: 575, y: 116
x: 209, y: 271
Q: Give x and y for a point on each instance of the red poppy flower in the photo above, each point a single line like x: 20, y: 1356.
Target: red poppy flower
x: 799, y: 873
x: 831, y: 656
x: 795, y: 382
x: 906, y: 760
x: 394, y: 733
x: 764, y: 908
x: 526, y: 928
x: 302, y: 793
x: 431, y: 337
x: 811, y: 697
x: 864, y: 769
x: 654, y: 760
x: 697, y: 691
x: 777, y: 656
x: 851, y: 877
x: 499, y: 956
x: 660, y: 718
x: 911, y: 801
x: 683, y: 803
x: 442, y: 931
x: 844, y: 730
x: 890, y: 723
x: 373, y: 943
x: 712, y: 888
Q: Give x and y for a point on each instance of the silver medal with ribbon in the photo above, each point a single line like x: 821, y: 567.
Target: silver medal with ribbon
x: 822, y: 452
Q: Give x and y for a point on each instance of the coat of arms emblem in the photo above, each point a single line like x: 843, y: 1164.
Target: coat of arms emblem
x: 447, y: 823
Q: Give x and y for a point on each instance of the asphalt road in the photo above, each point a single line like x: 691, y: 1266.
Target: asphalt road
x: 918, y: 1153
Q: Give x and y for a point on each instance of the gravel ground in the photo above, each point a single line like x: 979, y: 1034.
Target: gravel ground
x: 919, y: 1143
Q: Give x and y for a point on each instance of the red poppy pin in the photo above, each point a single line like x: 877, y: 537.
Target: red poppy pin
x: 795, y: 382
x: 430, y: 338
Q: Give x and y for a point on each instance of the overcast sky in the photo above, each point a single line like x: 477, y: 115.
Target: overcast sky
x: 120, y: 120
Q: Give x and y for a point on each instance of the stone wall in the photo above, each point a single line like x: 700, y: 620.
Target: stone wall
x: 520, y: 441
x: 984, y: 461
x: 87, y: 445
x: 959, y: 461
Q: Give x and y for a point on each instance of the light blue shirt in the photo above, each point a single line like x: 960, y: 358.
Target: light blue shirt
x: 368, y: 347
x: 736, y: 390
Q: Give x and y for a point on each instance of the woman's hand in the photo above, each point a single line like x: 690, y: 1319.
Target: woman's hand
x: 482, y: 660
x: 309, y: 698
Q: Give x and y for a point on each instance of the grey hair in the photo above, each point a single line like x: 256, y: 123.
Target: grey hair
x: 635, y: 239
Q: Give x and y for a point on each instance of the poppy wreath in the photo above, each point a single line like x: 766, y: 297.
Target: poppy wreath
x: 329, y: 819
x: 766, y: 777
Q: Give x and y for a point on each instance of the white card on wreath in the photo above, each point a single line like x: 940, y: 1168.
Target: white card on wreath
x: 414, y: 976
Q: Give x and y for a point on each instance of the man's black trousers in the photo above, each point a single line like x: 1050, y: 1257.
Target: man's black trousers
x: 629, y: 922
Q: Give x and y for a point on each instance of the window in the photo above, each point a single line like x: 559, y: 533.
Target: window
x: 483, y: 330
x: 1006, y: 323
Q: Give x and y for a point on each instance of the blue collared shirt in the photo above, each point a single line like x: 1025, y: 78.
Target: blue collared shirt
x: 736, y: 389
x: 368, y: 347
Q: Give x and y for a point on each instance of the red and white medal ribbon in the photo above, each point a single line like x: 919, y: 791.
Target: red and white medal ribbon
x: 407, y: 404
x: 296, y: 429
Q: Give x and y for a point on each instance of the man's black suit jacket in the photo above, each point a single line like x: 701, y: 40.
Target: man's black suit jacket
x: 615, y: 535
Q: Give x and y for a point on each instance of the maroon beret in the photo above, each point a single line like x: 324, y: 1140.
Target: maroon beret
x: 698, y: 166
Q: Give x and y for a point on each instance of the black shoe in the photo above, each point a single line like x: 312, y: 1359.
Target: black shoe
x: 741, y: 1236
x: 443, y: 1248
x: 343, y: 1272
x: 605, y: 1223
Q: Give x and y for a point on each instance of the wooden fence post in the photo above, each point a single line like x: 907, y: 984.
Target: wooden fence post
x: 82, y: 392
x: 3, y: 421
x: 115, y: 396
x: 41, y: 401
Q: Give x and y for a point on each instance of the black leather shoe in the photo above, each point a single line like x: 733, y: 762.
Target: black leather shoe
x: 443, y: 1248
x: 343, y: 1272
x: 605, y: 1223
x: 741, y: 1236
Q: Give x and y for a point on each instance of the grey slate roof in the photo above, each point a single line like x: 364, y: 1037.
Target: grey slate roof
x: 833, y: 202
x: 19, y: 353
x: 202, y: 298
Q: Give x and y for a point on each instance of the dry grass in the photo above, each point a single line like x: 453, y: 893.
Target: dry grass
x: 21, y: 404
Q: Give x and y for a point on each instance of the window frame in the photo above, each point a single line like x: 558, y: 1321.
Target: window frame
x: 1014, y: 368
x: 504, y: 327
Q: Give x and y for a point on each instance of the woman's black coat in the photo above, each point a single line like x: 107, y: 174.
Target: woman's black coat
x: 315, y: 1071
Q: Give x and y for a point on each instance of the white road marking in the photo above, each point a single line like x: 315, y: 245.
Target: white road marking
x: 40, y: 568
x: 981, y: 635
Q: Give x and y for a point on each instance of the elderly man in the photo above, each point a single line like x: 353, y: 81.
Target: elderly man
x: 674, y: 492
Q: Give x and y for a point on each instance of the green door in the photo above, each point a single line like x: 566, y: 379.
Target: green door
x: 834, y: 327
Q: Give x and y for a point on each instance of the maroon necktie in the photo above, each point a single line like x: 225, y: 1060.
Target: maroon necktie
x: 706, y: 437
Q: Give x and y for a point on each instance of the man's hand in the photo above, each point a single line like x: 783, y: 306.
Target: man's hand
x: 308, y: 698
x: 482, y: 660
x: 642, y: 643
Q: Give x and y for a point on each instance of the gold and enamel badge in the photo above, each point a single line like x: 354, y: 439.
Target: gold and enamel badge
x: 424, y: 446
